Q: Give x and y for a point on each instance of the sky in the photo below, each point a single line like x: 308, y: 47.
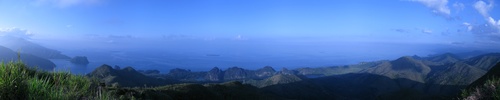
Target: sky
x: 381, y: 28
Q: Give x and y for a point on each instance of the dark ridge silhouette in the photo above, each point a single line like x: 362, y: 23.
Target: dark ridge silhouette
x: 362, y: 86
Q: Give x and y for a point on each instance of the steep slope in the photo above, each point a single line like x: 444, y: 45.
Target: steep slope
x: 404, y: 67
x: 485, y: 61
x: 126, y: 77
x: 236, y: 73
x: 442, y: 59
x: 486, y: 87
x: 494, y: 72
x: 29, y: 47
x: 215, y: 74
x: 265, y: 72
x: 7, y: 54
x: 458, y: 73
x: 274, y: 80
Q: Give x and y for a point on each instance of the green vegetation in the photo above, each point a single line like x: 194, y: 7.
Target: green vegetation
x: 18, y: 82
x: 488, y: 91
x: 188, y: 91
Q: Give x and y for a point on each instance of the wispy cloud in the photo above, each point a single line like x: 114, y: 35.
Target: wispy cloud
x: 427, y: 31
x: 458, y: 6
x: 439, y: 7
x: 16, y: 32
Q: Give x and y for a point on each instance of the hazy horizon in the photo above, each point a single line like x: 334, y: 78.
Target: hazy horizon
x: 202, y: 34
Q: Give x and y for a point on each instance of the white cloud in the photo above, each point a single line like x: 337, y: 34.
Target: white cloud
x: 468, y: 25
x: 66, y: 3
x: 491, y: 28
x: 16, y: 32
x: 439, y: 7
x: 483, y: 8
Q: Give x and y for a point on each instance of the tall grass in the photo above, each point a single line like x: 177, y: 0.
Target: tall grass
x: 13, y: 78
x: 488, y: 91
x: 18, y: 82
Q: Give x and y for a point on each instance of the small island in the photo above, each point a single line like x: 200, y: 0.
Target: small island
x: 81, y: 60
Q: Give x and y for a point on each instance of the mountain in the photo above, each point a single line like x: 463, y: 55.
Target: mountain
x: 285, y: 71
x: 218, y: 75
x: 485, y: 61
x: 82, y: 60
x: 494, y: 72
x: 404, y: 67
x: 126, y: 77
x: 484, y: 88
x: 28, y: 47
x: 408, y: 77
x: 458, y: 73
x: 236, y: 73
x: 7, y: 55
x: 185, y: 75
x: 442, y: 59
x: 215, y: 74
x: 265, y: 72
x: 274, y: 80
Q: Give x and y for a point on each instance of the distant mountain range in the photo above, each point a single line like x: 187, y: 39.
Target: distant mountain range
x: 28, y: 47
x: 408, y: 77
x: 7, y: 55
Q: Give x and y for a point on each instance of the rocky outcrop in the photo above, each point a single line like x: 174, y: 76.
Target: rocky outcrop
x: 285, y: 71
x: 81, y: 60
x: 178, y: 73
x: 215, y: 74
x: 235, y: 73
x: 265, y: 72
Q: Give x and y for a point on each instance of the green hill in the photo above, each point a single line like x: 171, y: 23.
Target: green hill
x: 126, y: 77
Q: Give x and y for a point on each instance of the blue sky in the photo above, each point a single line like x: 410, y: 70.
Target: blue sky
x: 433, y: 25
x: 378, y: 20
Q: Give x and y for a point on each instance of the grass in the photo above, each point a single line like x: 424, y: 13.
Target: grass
x: 19, y: 82
x: 488, y: 91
